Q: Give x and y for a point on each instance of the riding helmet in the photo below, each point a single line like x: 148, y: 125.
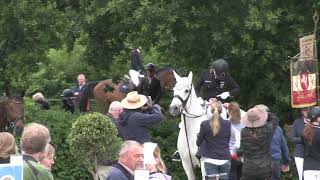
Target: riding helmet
x: 150, y: 66
x: 67, y: 93
x: 314, y: 113
x: 220, y: 66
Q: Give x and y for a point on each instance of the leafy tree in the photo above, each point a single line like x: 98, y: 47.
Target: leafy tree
x: 93, y: 138
x: 28, y: 30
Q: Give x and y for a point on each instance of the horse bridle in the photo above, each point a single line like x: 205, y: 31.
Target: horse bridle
x: 184, y: 103
x: 11, y: 125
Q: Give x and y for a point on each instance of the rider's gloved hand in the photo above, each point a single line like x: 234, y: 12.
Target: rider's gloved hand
x: 224, y: 95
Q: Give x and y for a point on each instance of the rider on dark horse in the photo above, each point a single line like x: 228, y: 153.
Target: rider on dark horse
x: 216, y: 83
x: 150, y: 85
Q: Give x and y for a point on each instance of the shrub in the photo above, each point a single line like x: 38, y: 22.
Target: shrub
x: 92, y: 139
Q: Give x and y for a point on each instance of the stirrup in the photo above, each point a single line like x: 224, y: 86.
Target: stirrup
x: 176, y: 157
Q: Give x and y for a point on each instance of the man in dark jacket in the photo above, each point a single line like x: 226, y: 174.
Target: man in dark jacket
x: 130, y: 159
x: 217, y: 82
x: 136, y: 118
x: 81, y: 91
x: 150, y: 86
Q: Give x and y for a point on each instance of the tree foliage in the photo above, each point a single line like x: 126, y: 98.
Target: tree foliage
x: 28, y: 30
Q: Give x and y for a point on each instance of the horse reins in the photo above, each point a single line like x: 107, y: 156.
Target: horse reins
x: 184, y: 103
x: 11, y: 125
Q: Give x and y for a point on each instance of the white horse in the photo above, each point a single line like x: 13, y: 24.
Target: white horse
x: 193, y: 112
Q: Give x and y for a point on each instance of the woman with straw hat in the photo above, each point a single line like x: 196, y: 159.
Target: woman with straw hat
x: 255, y: 145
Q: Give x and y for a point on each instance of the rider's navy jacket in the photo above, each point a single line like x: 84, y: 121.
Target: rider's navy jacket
x: 134, y: 124
x: 214, y: 86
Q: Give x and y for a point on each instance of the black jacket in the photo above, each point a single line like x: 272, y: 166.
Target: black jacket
x: 296, y: 136
x: 214, y: 147
x: 255, y: 148
x: 312, y: 152
x: 152, y: 89
x: 83, y: 99
x: 212, y: 86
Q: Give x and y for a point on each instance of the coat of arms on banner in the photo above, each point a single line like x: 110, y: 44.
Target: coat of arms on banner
x: 307, y: 47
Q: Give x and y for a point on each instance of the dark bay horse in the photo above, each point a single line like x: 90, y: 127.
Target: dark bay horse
x: 166, y: 77
x: 107, y: 91
x: 11, y: 114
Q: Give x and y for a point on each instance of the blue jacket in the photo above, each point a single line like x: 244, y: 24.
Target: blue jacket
x: 134, y: 124
x: 118, y: 172
x: 214, y: 147
x: 279, y: 148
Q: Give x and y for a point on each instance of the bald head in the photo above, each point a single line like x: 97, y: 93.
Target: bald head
x: 81, y: 79
x: 115, y: 109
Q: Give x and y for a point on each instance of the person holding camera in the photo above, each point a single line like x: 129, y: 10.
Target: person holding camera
x: 138, y: 115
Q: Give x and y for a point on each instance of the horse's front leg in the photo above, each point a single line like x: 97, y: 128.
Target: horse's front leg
x: 184, y: 154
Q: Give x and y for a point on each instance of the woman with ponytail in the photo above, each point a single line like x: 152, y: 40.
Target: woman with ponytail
x: 213, y: 142
x: 311, y: 141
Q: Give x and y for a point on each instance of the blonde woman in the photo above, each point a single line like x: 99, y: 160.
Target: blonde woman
x: 48, y: 157
x: 7, y: 147
x: 157, y: 168
x: 213, y: 142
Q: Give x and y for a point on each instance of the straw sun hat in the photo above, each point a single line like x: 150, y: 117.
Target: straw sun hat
x: 255, y: 117
x: 134, y: 100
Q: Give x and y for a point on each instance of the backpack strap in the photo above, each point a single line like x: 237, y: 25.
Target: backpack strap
x: 27, y: 159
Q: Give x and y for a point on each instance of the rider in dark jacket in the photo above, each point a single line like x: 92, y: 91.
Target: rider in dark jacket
x: 150, y: 86
x: 217, y: 82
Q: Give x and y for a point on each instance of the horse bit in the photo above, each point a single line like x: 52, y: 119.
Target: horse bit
x: 10, y: 125
x: 184, y: 103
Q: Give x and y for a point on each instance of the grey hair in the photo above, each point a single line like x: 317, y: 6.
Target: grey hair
x: 114, y: 106
x: 262, y: 106
x: 127, y: 145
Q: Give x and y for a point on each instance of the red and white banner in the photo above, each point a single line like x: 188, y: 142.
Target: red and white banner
x: 304, y: 80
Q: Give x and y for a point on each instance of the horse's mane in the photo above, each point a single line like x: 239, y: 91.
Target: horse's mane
x: 166, y: 68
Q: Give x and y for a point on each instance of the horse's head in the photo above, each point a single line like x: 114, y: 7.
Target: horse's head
x: 181, y: 93
x: 13, y: 110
